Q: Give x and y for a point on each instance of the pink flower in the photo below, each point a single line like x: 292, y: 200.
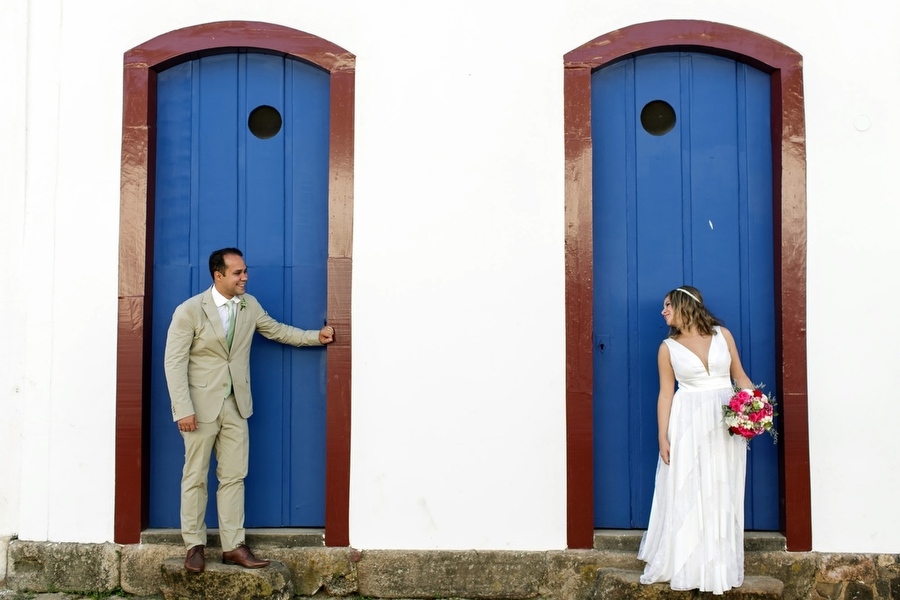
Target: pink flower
x: 747, y: 433
x: 749, y: 413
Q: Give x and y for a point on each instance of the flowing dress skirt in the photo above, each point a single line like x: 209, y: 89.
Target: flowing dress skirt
x: 695, y: 538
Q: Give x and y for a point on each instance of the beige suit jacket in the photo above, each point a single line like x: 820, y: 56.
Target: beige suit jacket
x: 200, y: 368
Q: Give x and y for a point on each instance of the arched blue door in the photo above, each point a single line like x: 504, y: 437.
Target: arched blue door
x: 220, y: 182
x: 692, y: 204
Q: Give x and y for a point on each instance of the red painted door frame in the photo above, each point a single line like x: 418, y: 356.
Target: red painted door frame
x: 789, y: 195
x: 136, y: 242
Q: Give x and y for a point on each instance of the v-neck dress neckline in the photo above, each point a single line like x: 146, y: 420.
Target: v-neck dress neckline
x: 705, y: 363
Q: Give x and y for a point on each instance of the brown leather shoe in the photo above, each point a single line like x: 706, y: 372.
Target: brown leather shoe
x: 195, y: 561
x: 242, y: 556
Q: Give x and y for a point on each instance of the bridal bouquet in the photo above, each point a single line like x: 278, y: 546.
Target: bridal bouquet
x: 749, y: 413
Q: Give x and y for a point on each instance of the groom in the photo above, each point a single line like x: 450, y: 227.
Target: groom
x: 207, y: 364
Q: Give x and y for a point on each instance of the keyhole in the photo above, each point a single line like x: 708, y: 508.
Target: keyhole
x: 602, y: 341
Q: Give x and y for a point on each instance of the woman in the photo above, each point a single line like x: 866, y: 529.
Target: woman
x: 695, y: 539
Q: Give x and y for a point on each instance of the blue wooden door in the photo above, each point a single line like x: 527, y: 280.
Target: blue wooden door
x: 682, y: 193
x: 242, y: 160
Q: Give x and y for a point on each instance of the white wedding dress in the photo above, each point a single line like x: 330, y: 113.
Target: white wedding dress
x: 695, y: 539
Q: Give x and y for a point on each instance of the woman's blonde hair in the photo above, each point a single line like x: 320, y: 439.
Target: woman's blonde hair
x: 687, y: 304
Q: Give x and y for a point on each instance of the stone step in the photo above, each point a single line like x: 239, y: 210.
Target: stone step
x: 256, y: 538
x: 629, y: 540
x: 612, y: 540
x: 220, y: 581
x: 619, y: 584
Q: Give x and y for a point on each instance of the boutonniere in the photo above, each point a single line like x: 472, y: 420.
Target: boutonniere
x: 243, y: 303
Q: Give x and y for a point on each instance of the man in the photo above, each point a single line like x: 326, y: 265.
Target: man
x: 207, y: 366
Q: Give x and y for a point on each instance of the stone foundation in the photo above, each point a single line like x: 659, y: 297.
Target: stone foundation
x: 307, y: 570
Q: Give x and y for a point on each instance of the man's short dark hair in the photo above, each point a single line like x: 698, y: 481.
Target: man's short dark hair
x: 217, y: 260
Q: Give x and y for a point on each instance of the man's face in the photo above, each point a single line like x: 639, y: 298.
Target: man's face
x: 234, y: 281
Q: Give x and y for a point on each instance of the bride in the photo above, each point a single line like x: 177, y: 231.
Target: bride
x: 695, y: 538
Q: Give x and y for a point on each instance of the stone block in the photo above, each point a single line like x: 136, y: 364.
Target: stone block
x: 256, y: 538
x: 857, y: 590
x: 887, y: 584
x: 797, y: 570
x: 220, y: 581
x: 618, y: 584
x: 629, y: 540
x: 328, y: 570
x: 764, y: 541
x: 618, y: 540
x: 451, y: 574
x: 847, y: 567
x: 139, y: 568
x: 829, y: 591
x: 572, y: 574
x: 888, y: 561
x: 49, y: 566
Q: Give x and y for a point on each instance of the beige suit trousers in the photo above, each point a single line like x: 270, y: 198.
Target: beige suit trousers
x: 229, y: 436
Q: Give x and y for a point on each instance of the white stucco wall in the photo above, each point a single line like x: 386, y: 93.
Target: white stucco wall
x: 12, y: 304
x: 852, y: 85
x: 458, y: 299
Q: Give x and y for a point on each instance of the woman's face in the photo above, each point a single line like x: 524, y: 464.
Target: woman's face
x: 668, y: 312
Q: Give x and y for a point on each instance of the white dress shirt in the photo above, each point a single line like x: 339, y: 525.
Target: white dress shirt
x: 221, y: 304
